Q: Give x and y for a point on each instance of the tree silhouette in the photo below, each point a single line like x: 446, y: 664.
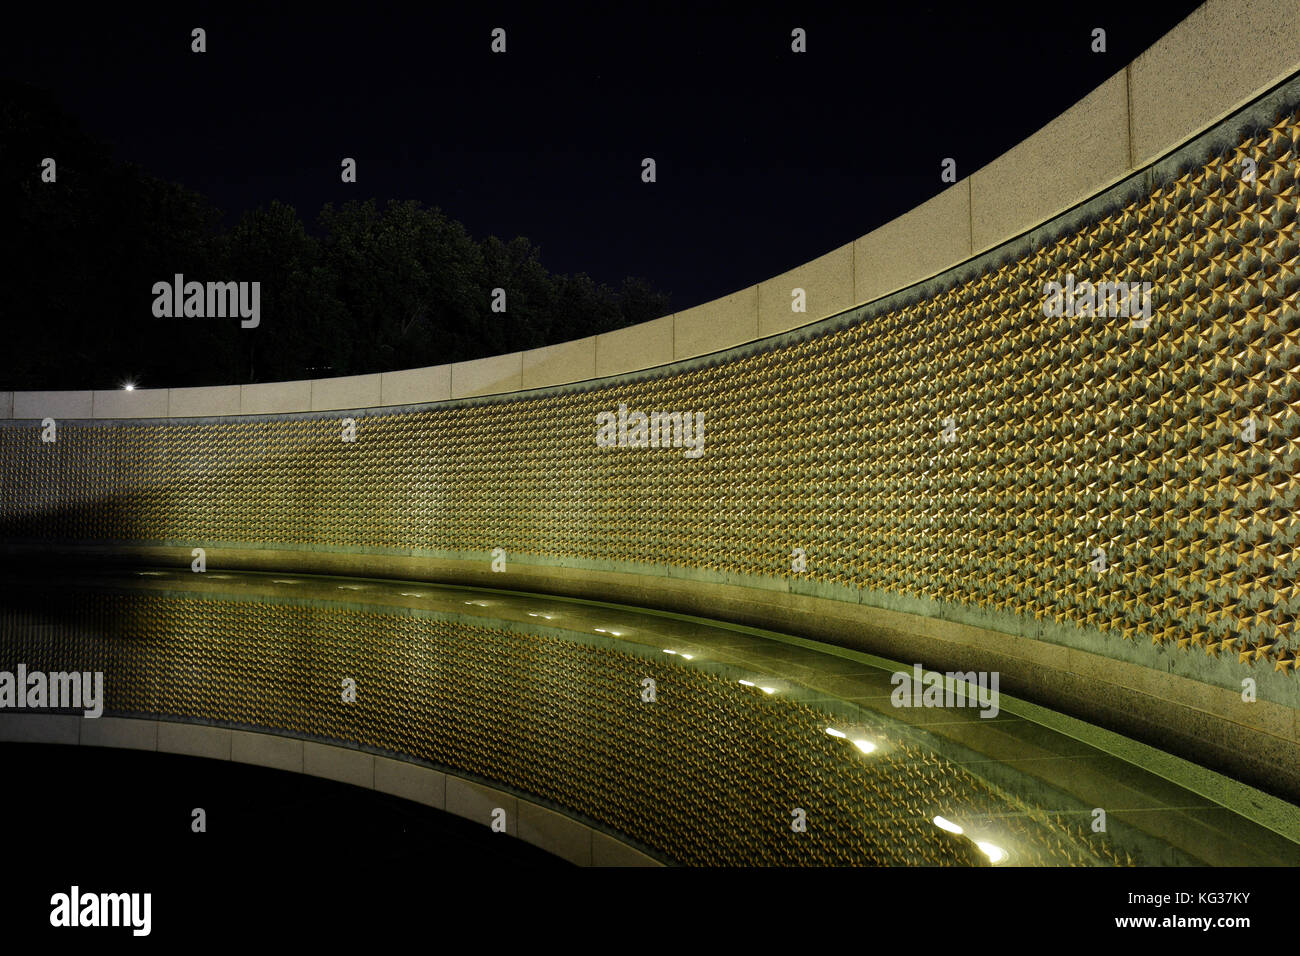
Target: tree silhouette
x: 379, y: 288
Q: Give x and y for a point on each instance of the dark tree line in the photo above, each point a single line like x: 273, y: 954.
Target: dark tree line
x: 372, y: 288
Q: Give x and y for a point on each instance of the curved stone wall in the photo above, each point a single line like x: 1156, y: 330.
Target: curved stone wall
x: 1076, y: 481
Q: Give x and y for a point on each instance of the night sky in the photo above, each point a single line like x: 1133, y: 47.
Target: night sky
x: 766, y: 158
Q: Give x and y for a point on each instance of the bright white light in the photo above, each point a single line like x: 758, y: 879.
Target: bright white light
x: 994, y: 852
x: 688, y: 657
x: 866, y: 746
x: 412, y: 594
x: 129, y: 387
x: 948, y: 825
x: 601, y: 630
x: 667, y: 651
x: 477, y: 603
x: 748, y: 683
x: 768, y: 690
x: 349, y: 587
x: 539, y: 614
x: 835, y: 733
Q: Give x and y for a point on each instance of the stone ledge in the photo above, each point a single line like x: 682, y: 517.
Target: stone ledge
x: 125, y: 732
x: 267, y: 750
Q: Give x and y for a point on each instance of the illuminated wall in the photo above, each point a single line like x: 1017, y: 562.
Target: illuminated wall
x: 950, y: 449
x: 959, y: 447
